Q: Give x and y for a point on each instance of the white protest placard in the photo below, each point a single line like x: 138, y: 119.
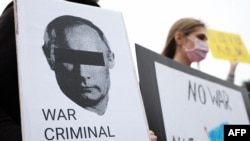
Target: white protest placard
x: 76, y: 76
x: 194, y: 107
x: 184, y: 104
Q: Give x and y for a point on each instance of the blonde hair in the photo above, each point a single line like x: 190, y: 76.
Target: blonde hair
x: 185, y: 26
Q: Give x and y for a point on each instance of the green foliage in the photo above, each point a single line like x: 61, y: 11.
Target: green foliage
x: 246, y: 84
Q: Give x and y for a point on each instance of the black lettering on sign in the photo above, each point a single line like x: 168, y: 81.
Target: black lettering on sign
x: 198, y: 93
x: 73, y: 133
x: 182, y: 139
x: 55, y: 114
x: 195, y: 90
x: 220, y: 97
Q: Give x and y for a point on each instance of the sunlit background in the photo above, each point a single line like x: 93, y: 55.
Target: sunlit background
x: 148, y: 21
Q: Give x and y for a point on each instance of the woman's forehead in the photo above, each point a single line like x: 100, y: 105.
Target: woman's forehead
x: 200, y: 30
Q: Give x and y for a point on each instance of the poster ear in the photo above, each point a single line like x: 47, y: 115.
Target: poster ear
x: 47, y: 53
x: 111, y: 59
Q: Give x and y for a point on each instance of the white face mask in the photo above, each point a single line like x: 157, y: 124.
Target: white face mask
x: 199, y: 51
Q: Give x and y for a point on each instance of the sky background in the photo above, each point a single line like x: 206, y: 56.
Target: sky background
x: 148, y: 22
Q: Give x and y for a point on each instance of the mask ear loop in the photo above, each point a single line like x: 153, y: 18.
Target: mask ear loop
x: 190, y: 40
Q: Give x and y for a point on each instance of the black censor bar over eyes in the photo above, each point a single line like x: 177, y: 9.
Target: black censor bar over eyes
x: 236, y: 132
x: 79, y: 57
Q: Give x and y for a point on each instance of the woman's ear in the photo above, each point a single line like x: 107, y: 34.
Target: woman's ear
x: 178, y: 39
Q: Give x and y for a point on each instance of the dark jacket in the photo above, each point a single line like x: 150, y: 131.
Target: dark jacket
x: 10, y: 129
x: 10, y: 125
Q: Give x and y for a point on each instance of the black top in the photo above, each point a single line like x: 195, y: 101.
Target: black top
x: 10, y: 125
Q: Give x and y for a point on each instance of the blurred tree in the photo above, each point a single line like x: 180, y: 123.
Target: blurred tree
x: 246, y: 84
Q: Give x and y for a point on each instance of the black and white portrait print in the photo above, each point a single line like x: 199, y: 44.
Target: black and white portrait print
x: 79, y: 54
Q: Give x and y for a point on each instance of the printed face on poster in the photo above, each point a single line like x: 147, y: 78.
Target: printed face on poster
x: 190, y: 105
x: 76, y: 74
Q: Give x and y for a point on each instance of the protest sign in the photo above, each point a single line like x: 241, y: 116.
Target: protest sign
x: 228, y: 46
x: 185, y: 104
x: 76, y: 76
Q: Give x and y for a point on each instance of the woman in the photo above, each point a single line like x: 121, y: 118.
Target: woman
x: 186, y: 41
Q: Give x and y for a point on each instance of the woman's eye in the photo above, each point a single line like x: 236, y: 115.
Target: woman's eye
x: 202, y: 37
